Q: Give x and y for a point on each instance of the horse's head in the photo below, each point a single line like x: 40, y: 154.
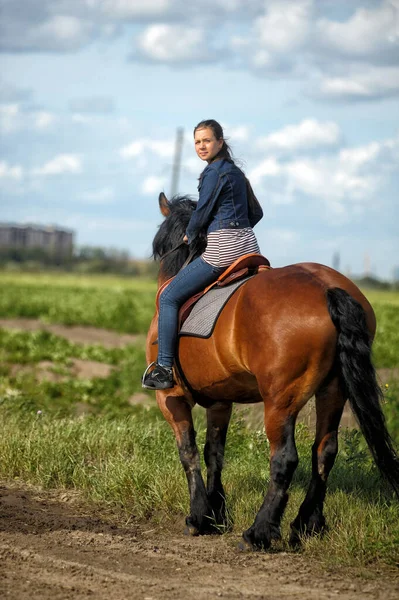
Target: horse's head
x: 168, y: 246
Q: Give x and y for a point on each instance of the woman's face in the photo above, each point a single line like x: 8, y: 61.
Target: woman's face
x: 206, y: 145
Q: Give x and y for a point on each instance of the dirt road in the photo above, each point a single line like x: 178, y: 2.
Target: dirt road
x: 53, y: 547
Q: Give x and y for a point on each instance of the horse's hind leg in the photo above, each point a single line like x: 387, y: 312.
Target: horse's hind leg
x: 329, y: 406
x: 280, y: 430
x: 218, y: 418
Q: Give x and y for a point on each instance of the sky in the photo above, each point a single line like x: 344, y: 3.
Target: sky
x: 93, y: 91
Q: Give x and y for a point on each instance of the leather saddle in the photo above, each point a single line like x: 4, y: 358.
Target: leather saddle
x: 246, y: 265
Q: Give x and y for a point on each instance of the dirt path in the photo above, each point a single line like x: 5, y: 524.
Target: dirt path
x: 75, y: 333
x: 51, y: 547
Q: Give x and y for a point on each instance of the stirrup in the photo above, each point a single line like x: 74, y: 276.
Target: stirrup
x: 146, y: 371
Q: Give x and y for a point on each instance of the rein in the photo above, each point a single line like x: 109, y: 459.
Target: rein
x: 188, y: 259
x: 170, y: 251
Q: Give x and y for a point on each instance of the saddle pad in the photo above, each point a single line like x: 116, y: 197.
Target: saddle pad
x: 202, y: 319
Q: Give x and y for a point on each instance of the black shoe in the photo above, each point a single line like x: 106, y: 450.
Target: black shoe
x: 160, y: 378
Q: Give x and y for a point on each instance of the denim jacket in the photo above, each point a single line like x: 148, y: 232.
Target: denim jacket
x: 222, y: 201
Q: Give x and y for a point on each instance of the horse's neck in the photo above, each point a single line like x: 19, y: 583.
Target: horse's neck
x: 161, y: 286
x: 162, y: 278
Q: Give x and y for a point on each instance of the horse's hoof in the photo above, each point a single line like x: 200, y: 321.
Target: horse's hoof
x: 244, y: 546
x: 191, y: 531
x: 258, y: 541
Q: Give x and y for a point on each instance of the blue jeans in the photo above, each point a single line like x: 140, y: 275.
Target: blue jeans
x: 190, y: 280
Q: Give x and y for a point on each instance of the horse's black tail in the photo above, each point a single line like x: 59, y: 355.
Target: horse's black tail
x: 359, y: 380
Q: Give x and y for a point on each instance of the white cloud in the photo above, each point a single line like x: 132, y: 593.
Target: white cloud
x: 350, y: 60
x: 383, y: 154
x: 65, y: 29
x: 308, y: 134
x: 13, y: 118
x: 133, y: 150
x: 9, y: 117
x: 369, y: 34
x: 238, y: 133
x: 63, y: 163
x: 153, y: 185
x: 368, y: 84
x: 277, y: 36
x: 284, y: 26
x: 10, y: 172
x: 129, y: 9
x: 266, y: 168
x: 173, y: 44
x: 58, y: 33
x: 103, y: 196
x: 163, y: 149
x: 348, y: 180
x: 356, y: 158
x: 272, y: 38
x: 325, y: 180
x: 43, y: 120
x: 192, y: 165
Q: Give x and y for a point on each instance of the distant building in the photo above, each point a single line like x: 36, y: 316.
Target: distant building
x: 51, y: 239
x: 396, y: 273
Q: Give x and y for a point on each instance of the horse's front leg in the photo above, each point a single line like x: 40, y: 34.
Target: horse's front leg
x: 218, y: 418
x: 178, y: 413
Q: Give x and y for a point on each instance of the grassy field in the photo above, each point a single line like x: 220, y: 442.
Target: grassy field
x: 88, y: 434
x: 121, y: 304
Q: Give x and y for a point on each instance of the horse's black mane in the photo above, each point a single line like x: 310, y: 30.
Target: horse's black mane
x: 171, y: 233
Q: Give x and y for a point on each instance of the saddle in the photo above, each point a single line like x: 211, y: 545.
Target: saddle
x: 246, y: 265
x: 243, y: 267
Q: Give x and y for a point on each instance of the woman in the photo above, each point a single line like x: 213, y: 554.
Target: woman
x: 228, y: 209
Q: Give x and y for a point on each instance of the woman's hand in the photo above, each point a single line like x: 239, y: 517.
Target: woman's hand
x: 185, y: 239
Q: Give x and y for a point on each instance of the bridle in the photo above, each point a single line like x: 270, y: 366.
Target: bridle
x: 188, y: 259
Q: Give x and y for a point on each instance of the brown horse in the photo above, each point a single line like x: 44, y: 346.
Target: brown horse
x: 284, y: 336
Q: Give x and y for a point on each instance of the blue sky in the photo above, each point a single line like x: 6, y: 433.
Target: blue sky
x: 92, y: 91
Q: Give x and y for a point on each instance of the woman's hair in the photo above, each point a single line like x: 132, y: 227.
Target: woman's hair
x: 225, y: 151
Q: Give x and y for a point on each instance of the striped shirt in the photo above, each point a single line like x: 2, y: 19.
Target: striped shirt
x: 226, y: 245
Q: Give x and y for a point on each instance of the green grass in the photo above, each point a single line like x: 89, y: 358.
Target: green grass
x: 28, y: 347
x: 69, y: 396
x: 112, y: 303
x: 73, y: 280
x: 386, y: 344
x: 390, y: 297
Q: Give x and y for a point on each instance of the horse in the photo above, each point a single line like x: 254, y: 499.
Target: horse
x: 285, y: 335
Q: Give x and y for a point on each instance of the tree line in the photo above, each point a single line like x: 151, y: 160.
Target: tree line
x: 86, y: 259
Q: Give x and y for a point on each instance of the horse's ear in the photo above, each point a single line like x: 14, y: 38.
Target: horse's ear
x: 164, y: 204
